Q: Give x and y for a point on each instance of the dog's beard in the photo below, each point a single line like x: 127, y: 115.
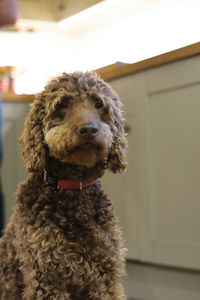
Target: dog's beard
x: 86, y: 155
x: 83, y: 155
x: 71, y: 149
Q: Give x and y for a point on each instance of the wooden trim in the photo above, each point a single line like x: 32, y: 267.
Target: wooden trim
x: 119, y: 69
x: 15, y: 97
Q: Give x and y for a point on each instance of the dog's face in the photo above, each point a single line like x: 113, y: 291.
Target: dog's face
x: 77, y: 118
x: 78, y: 129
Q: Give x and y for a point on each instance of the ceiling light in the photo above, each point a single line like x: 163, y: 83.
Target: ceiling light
x: 91, y: 11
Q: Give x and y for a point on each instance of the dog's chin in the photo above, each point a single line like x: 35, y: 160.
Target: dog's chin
x: 85, y: 155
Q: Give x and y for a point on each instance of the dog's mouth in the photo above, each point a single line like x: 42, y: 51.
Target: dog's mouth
x: 87, y: 146
x: 85, y: 154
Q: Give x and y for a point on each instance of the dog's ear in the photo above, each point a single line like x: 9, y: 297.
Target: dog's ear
x: 116, y: 160
x: 32, y: 139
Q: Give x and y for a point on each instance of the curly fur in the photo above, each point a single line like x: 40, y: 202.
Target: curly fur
x: 66, y: 244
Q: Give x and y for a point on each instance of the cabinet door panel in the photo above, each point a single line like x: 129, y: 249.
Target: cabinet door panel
x: 174, y: 168
x: 178, y: 74
x: 124, y: 200
x: 125, y: 190
x: 13, y: 169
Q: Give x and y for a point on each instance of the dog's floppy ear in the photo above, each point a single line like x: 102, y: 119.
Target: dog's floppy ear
x: 32, y: 139
x: 116, y: 161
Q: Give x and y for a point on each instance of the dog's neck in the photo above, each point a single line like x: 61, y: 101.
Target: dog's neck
x: 65, y: 171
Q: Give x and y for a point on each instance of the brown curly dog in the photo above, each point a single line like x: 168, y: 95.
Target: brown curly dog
x: 63, y: 241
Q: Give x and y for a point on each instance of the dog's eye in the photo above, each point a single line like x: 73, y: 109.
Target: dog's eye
x: 63, y: 103
x: 54, y: 90
x: 98, y: 103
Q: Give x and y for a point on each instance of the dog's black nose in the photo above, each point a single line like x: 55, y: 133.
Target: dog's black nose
x: 88, y: 130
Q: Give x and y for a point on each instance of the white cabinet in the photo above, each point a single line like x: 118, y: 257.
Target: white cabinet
x: 158, y: 200
x: 13, y: 170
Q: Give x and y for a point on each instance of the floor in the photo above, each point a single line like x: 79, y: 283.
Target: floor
x: 147, y: 282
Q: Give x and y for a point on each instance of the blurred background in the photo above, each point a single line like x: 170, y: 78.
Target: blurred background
x: 149, y: 51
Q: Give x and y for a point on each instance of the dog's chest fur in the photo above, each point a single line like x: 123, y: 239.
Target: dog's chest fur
x: 77, y: 233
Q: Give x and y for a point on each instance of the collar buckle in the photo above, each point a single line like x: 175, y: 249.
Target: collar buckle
x: 53, y: 181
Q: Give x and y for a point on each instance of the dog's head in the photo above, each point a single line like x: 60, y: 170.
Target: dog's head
x: 76, y: 119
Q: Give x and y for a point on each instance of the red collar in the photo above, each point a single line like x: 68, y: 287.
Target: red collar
x: 65, y: 184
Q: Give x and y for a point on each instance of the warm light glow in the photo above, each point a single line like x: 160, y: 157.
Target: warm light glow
x: 87, y: 13
x: 101, y: 15
x: 113, y: 30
